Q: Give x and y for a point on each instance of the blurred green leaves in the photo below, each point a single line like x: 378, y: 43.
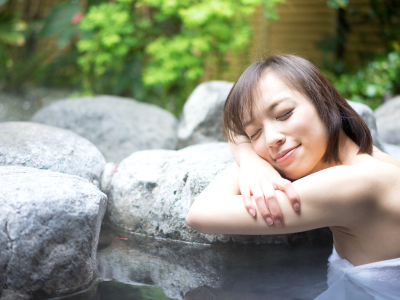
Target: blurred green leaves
x: 62, y: 21
x: 338, y: 3
x: 169, y: 40
x: 377, y: 80
x: 2, y: 2
x: 11, y: 35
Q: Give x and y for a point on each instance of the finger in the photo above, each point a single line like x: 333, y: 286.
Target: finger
x: 262, y: 206
x: 287, y: 187
x: 245, y: 191
x: 273, y: 205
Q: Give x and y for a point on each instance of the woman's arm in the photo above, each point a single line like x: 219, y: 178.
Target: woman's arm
x: 337, y: 196
x: 259, y: 179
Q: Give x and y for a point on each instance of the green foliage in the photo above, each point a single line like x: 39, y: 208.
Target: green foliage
x: 377, y: 80
x: 2, y: 2
x: 11, y: 36
x: 157, y: 49
x: 60, y: 22
x: 366, y: 77
x: 337, y: 3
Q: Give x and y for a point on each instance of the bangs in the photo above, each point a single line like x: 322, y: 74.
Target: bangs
x: 239, y: 105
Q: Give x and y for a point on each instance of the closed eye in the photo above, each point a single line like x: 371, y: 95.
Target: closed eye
x: 255, y: 134
x: 285, y: 116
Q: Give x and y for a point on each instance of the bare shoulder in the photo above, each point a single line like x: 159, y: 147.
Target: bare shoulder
x: 382, y: 156
x: 382, y: 172
x: 367, y: 179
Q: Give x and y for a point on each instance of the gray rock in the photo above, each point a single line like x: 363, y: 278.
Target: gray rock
x: 152, y: 192
x: 368, y: 115
x: 45, y: 147
x: 388, y: 120
x: 202, y: 114
x: 49, y: 228
x: 392, y: 150
x: 20, y: 106
x: 117, y: 126
x: 106, y: 177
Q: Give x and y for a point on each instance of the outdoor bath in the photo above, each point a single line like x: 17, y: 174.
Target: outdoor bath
x: 145, y: 249
x: 111, y: 128
x: 218, y: 271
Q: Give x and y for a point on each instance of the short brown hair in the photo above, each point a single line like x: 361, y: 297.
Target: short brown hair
x: 301, y: 75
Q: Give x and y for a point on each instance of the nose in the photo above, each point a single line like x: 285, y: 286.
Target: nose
x: 273, y: 137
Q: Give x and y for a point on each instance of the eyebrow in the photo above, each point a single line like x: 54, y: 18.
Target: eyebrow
x: 269, y: 109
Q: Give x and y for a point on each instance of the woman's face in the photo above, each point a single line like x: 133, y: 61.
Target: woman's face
x: 286, y: 129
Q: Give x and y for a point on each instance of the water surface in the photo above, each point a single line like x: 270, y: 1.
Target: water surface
x: 177, y: 270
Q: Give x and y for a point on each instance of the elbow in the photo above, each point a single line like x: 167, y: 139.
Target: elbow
x: 196, y: 221
x: 192, y: 220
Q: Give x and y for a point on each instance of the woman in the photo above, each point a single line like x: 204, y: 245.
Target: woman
x: 283, y: 114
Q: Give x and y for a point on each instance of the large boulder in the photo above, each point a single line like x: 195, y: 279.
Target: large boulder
x: 49, y: 228
x: 368, y: 115
x: 152, y: 191
x: 201, y: 120
x: 45, y: 147
x: 392, y: 150
x: 117, y: 126
x: 21, y: 105
x: 388, y: 120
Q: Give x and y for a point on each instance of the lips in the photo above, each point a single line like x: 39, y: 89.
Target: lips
x: 285, y: 154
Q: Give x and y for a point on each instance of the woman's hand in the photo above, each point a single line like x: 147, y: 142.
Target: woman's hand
x: 259, y: 179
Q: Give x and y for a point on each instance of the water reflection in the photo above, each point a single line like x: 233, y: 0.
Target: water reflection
x: 223, y: 271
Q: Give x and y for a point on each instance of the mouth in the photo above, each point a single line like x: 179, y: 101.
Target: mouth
x: 285, y: 154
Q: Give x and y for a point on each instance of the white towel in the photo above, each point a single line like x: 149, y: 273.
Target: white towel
x: 379, y: 280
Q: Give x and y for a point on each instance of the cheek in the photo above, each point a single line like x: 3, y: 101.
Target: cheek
x: 260, y: 148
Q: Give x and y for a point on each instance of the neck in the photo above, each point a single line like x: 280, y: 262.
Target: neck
x: 348, y: 151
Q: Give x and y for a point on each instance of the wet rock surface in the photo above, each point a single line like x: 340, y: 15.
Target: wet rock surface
x: 152, y: 191
x: 46, y: 147
x: 114, y: 290
x: 221, y: 271
x: 49, y: 228
x: 388, y: 121
x: 201, y: 120
x: 116, y: 126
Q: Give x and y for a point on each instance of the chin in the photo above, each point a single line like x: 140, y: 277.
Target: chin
x: 294, y: 175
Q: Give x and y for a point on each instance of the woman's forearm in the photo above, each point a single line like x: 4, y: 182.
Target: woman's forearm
x: 259, y: 179
x: 337, y: 196
x: 242, y: 150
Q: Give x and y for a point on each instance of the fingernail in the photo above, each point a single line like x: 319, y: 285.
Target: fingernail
x: 269, y: 221
x: 278, y: 222
x: 296, y: 206
x: 252, y: 212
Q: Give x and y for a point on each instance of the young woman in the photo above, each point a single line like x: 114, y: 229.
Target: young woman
x: 286, y: 121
